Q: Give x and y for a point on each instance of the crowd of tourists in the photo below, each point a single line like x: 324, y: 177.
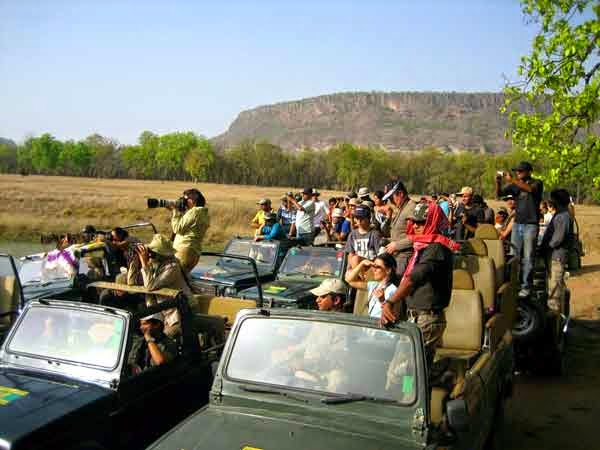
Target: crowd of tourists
x: 405, y: 245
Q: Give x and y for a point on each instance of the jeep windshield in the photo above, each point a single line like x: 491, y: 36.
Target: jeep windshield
x: 82, y: 337
x: 263, y: 253
x: 312, y: 262
x: 330, y: 358
x: 46, y: 269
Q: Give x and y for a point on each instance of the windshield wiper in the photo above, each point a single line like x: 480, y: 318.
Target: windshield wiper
x: 349, y: 398
x: 262, y: 390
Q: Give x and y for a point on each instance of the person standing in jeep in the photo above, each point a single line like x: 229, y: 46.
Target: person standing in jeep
x: 528, y: 194
x: 400, y: 246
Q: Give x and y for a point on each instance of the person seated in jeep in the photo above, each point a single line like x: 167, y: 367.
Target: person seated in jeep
x: 331, y: 295
x: 154, y: 348
x: 426, y: 285
x: 270, y: 229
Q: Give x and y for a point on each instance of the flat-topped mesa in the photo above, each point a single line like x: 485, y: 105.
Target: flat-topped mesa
x: 393, y: 120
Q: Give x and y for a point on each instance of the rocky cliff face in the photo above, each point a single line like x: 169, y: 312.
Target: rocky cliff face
x: 398, y: 121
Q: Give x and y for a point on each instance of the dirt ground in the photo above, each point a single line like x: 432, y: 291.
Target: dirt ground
x: 562, y: 412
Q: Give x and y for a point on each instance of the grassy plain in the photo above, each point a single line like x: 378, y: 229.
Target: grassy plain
x: 31, y: 205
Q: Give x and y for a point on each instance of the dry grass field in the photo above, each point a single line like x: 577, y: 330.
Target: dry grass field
x: 40, y: 204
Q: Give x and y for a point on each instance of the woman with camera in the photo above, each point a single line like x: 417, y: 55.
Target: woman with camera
x: 189, y: 225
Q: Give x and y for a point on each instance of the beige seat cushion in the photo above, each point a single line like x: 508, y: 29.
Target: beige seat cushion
x: 486, y: 231
x: 483, y: 271
x: 495, y: 249
x: 220, y: 306
x: 464, y: 322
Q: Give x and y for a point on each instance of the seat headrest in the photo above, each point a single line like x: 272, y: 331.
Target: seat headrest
x: 461, y: 279
x: 486, y: 231
x: 474, y: 246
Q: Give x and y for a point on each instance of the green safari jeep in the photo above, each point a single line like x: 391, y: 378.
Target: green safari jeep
x: 298, y: 379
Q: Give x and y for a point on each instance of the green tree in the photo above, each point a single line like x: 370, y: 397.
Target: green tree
x: 554, y: 109
x: 8, y: 158
x: 200, y: 160
x: 45, y: 151
x: 75, y: 158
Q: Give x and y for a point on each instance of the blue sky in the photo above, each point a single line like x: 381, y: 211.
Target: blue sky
x: 73, y: 68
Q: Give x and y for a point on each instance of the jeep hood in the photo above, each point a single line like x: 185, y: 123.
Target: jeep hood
x: 216, y: 428
x: 30, y: 402
x: 229, y: 275
x: 284, y: 289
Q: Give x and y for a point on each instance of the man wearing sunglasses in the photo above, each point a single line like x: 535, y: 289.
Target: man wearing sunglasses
x: 527, y: 192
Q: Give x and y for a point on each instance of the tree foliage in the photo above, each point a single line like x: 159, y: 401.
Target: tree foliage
x: 554, y: 109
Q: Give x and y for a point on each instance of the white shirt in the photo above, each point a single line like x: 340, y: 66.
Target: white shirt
x: 304, y: 219
x: 320, y: 212
x: 374, y: 303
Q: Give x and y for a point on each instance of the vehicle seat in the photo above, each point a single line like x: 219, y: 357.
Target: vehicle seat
x: 475, y: 260
x: 361, y: 303
x: 462, y: 337
x: 227, y: 307
x: 9, y: 299
x: 495, y: 248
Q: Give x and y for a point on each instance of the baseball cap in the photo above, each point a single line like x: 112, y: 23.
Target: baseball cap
x: 337, y: 212
x: 420, y: 212
x: 523, y: 166
x: 315, y: 193
x: 465, y: 190
x: 156, y: 316
x: 508, y: 197
x: 264, y: 201
x: 398, y: 185
x: 329, y: 286
x: 270, y: 216
x: 502, y: 210
x: 307, y: 190
x: 362, y: 211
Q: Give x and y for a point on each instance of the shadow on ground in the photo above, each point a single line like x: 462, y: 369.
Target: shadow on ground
x: 560, y: 412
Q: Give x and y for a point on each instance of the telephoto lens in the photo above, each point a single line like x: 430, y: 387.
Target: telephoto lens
x: 152, y: 203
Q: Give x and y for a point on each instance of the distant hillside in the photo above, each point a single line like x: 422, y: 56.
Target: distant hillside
x: 8, y: 142
x: 396, y: 120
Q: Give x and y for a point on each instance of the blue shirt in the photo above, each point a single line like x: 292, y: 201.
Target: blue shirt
x: 445, y: 207
x: 274, y: 231
x: 342, y: 227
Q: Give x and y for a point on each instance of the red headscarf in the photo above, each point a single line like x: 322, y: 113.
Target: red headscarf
x: 436, y: 223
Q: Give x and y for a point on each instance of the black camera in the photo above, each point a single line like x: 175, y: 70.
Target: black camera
x: 180, y: 204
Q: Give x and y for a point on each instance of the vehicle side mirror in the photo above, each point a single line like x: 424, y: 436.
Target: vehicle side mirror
x: 458, y: 415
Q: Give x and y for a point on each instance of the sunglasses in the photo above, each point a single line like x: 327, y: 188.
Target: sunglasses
x: 419, y: 223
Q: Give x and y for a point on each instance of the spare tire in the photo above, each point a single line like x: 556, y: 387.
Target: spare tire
x: 529, y: 320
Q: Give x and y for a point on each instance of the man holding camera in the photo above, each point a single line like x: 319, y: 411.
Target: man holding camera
x: 189, y: 225
x: 304, y: 216
x: 527, y: 193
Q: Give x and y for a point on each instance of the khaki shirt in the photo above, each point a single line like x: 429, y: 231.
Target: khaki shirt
x: 190, y: 228
x: 398, y: 226
x: 166, y: 274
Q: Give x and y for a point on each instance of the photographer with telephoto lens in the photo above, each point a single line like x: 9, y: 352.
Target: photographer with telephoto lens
x: 189, y: 226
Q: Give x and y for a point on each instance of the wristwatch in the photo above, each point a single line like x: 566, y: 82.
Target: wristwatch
x: 151, y: 339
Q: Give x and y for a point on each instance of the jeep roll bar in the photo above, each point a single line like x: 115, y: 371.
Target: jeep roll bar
x: 13, y: 266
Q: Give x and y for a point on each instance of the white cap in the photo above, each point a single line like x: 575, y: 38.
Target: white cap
x: 156, y: 316
x: 330, y: 286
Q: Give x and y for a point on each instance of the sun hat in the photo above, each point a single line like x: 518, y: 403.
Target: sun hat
x: 270, y: 216
x: 264, y: 201
x: 355, y: 202
x: 329, y: 286
x: 161, y: 245
x: 420, y: 212
x: 362, y: 211
x: 363, y: 192
x: 368, y: 204
x: 465, y: 190
x: 156, y: 316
